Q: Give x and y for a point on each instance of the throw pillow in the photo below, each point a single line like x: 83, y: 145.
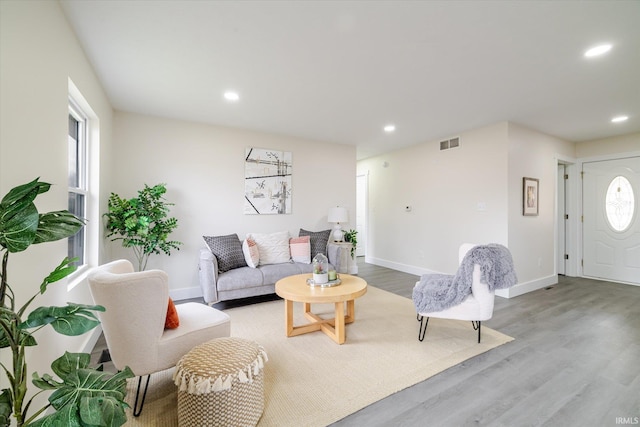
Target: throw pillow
x: 319, y: 241
x: 300, y: 248
x: 172, y: 320
x: 273, y: 247
x: 228, y: 251
x: 251, y: 254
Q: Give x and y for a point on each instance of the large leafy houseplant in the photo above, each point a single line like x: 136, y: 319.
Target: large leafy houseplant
x: 83, y: 396
x: 142, y: 223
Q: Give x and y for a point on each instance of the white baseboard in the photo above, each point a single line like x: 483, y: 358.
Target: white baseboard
x: 523, y: 288
x: 405, y: 268
x: 519, y: 289
x: 92, y: 339
x: 185, y: 293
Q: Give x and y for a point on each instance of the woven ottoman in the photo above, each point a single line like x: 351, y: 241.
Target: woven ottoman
x: 221, y: 383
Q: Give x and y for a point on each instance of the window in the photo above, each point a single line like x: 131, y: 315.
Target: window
x: 83, y: 183
x: 78, y: 188
x: 619, y: 203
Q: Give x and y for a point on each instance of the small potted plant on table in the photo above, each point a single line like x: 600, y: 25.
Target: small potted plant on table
x: 351, y: 236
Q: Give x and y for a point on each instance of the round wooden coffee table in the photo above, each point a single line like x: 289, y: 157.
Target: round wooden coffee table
x: 295, y: 288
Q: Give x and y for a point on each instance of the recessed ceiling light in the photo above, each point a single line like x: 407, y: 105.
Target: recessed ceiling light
x: 231, y: 96
x: 597, y: 50
x: 389, y: 128
x: 619, y: 119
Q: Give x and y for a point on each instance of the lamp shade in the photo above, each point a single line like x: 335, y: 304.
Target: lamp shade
x: 338, y: 214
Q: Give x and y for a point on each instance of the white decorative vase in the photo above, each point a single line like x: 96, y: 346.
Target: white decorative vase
x: 320, y: 278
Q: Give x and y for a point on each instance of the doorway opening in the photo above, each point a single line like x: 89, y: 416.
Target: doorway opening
x: 362, y: 202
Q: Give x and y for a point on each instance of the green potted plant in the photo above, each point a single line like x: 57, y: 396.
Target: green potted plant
x: 142, y: 223
x: 351, y: 236
x: 83, y: 396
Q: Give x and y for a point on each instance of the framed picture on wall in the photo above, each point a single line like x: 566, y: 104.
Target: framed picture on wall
x: 267, y: 181
x: 530, y: 196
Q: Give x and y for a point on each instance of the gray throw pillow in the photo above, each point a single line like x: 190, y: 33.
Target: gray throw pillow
x: 318, y: 240
x: 227, y: 250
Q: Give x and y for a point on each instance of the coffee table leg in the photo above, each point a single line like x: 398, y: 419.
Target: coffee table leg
x: 288, y: 317
x: 339, y: 324
x: 351, y: 312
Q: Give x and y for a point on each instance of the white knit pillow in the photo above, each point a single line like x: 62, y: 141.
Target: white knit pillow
x: 273, y: 247
x: 251, y: 253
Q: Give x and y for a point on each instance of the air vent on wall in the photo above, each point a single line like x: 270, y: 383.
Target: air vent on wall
x: 449, y: 143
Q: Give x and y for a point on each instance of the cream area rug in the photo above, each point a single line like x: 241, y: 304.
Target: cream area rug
x: 312, y: 381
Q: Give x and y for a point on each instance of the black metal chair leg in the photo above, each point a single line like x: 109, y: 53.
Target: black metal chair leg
x: 423, y: 327
x: 476, y: 326
x: 137, y: 411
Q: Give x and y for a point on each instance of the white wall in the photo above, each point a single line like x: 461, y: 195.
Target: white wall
x: 38, y: 55
x: 468, y: 194
x: 607, y: 146
x: 203, y: 167
x: 457, y: 195
x: 532, y: 238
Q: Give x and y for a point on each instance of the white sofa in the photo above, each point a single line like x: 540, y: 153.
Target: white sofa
x: 242, y: 280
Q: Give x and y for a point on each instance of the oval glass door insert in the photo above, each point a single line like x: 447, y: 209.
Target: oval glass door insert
x: 620, y: 203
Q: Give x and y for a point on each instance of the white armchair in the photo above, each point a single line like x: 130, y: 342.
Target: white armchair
x: 476, y: 307
x: 133, y: 323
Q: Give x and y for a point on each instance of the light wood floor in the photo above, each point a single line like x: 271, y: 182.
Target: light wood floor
x: 575, y: 361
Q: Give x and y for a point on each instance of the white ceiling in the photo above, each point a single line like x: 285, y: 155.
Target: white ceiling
x: 338, y: 71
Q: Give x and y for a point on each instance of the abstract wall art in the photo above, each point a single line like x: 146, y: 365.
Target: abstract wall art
x: 267, y: 182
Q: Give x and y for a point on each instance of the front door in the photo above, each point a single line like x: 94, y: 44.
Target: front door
x: 611, y: 225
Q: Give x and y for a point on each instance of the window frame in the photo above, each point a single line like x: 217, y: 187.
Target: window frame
x: 92, y: 229
x: 78, y: 114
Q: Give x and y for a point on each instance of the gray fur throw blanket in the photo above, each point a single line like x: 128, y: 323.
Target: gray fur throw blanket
x: 437, y: 292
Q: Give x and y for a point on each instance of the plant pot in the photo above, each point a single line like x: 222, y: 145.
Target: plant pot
x: 320, y: 278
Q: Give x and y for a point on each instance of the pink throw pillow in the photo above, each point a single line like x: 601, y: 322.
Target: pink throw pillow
x: 300, y: 249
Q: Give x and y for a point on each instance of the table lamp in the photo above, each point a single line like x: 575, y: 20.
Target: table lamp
x: 338, y: 215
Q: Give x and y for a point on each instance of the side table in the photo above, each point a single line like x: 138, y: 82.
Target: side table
x: 341, y: 253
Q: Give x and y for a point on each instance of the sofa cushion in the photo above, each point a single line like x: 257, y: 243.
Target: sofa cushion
x: 319, y: 240
x: 305, y: 268
x: 251, y: 253
x: 274, y: 272
x: 239, y: 278
x: 273, y: 247
x: 228, y: 251
x: 300, y: 248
